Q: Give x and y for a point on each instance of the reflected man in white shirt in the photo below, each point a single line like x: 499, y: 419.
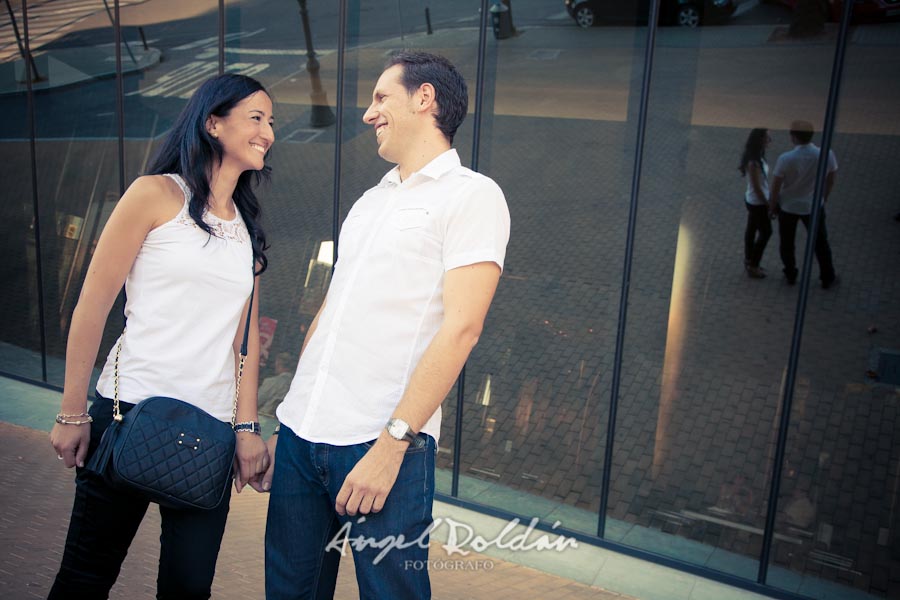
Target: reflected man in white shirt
x: 791, y: 198
x: 419, y: 259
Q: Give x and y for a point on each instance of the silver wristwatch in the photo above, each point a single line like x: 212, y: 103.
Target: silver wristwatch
x: 400, y: 430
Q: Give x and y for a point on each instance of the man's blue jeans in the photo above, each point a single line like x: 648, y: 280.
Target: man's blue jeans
x: 304, y: 533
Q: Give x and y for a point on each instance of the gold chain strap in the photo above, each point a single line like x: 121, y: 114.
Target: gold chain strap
x: 237, y: 390
x: 116, y: 414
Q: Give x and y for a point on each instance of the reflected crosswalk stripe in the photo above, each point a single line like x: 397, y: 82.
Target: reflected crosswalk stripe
x: 47, y: 21
x: 177, y: 80
x: 181, y: 82
x: 214, y: 41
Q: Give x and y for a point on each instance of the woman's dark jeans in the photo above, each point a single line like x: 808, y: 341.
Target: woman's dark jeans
x: 757, y: 233
x: 105, y: 520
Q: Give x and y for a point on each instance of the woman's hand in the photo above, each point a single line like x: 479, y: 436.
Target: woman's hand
x: 251, y: 461
x: 71, y: 443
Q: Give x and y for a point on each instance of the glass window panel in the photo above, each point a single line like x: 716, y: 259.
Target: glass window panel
x: 558, y: 137
x: 20, y: 342
x: 155, y: 91
x: 837, y: 520
x: 166, y: 55
x: 268, y: 43
x: 706, y: 345
x: 77, y: 160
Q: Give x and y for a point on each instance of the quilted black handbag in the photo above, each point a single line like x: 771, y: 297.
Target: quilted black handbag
x: 168, y: 450
x: 172, y: 452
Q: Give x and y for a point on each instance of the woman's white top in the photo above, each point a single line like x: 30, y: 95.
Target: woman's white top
x: 751, y: 197
x: 185, y: 294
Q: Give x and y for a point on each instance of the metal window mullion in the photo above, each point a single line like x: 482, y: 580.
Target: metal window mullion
x: 120, y: 96
x: 652, y: 25
x: 221, y: 37
x: 338, y: 130
x: 476, y: 147
x: 800, y: 314
x: 479, y: 84
x: 36, y: 213
x: 120, y: 115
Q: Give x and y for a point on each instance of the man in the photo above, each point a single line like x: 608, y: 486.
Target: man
x: 791, y: 198
x: 420, y: 256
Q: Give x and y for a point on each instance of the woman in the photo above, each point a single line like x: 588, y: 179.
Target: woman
x: 186, y: 242
x: 759, y: 228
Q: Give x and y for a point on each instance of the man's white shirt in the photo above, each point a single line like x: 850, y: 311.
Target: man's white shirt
x: 798, y: 169
x: 385, y: 305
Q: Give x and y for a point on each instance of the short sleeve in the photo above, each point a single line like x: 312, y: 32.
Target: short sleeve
x: 476, y: 228
x: 832, y: 162
x: 778, y: 171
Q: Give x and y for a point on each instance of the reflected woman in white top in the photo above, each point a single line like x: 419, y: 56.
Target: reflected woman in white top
x: 186, y: 243
x: 759, y: 227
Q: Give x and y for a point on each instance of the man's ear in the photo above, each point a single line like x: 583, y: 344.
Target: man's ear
x: 426, y: 97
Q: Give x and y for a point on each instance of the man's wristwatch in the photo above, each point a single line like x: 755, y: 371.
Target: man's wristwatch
x: 400, y: 430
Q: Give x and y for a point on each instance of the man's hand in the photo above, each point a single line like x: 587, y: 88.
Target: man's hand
x: 367, y: 486
x: 267, y: 476
x: 775, y: 196
x: 251, y: 461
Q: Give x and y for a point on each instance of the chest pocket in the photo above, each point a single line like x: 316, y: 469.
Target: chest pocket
x: 410, y: 229
x: 410, y: 218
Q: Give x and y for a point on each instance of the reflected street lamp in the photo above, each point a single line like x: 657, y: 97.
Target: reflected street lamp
x: 27, y: 58
x: 320, y: 115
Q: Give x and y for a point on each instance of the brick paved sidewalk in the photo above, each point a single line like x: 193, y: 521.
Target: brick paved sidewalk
x: 36, y: 494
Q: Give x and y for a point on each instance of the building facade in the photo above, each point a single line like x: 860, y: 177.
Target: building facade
x: 632, y: 382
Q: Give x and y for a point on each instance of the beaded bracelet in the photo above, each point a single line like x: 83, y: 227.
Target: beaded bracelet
x: 63, y: 419
x: 248, y: 426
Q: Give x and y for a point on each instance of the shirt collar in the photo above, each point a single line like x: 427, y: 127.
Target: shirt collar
x: 439, y: 165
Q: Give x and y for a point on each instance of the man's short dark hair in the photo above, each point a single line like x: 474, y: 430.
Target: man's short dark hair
x: 803, y: 131
x: 451, y: 93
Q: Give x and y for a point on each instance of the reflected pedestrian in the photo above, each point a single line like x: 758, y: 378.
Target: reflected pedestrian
x: 273, y: 389
x: 185, y: 242
x: 791, y: 198
x: 756, y: 198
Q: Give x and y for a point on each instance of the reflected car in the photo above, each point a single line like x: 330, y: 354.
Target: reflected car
x: 863, y: 10
x: 687, y: 13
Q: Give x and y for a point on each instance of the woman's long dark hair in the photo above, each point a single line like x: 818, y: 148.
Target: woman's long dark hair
x: 190, y: 151
x: 754, y: 149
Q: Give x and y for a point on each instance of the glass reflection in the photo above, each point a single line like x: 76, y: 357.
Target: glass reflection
x: 77, y: 157
x: 20, y: 340
x: 707, y: 337
x: 557, y: 135
x: 836, y: 522
x: 706, y: 346
x: 291, y: 47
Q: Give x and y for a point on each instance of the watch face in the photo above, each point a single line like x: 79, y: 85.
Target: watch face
x: 397, y: 429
